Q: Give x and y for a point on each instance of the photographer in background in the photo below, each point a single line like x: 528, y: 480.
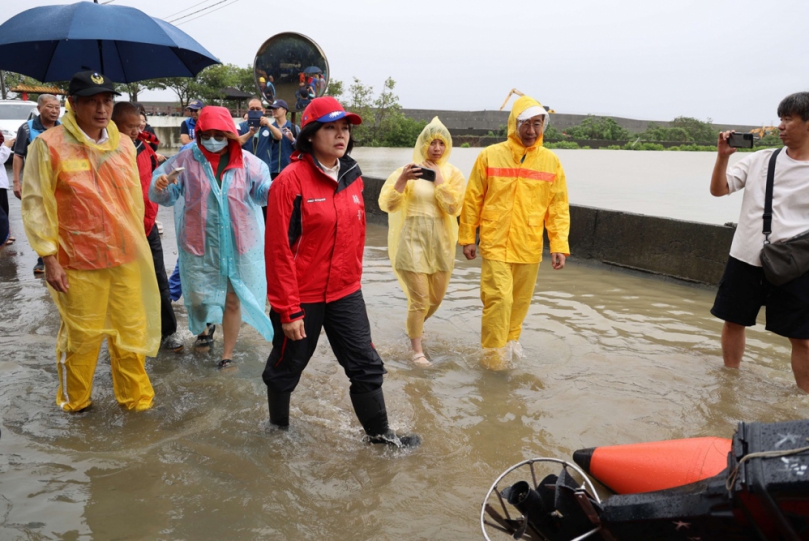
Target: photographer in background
x: 258, y: 134
x: 282, y: 148
x: 744, y: 289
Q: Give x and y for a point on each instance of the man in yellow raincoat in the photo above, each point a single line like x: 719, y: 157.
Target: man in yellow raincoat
x: 516, y: 190
x: 82, y: 207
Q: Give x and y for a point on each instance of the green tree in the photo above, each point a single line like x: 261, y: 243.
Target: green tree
x: 597, y: 127
x: 360, y: 101
x: 210, y: 82
x: 244, y: 79
x: 183, y: 87
x: 383, y: 123
x: 387, y: 111
x: 699, y: 131
x: 403, y: 131
x: 553, y: 134
x: 335, y: 89
x: 659, y: 133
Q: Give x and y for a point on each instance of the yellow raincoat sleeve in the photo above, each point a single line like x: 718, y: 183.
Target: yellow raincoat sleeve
x: 557, y: 219
x: 389, y: 199
x: 39, y: 200
x: 473, y: 201
x: 449, y: 195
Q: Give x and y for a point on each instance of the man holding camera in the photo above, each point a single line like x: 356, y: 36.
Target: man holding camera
x: 282, y: 148
x: 744, y: 289
x: 257, y: 133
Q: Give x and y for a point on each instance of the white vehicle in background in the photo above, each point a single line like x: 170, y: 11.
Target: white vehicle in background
x: 12, y: 115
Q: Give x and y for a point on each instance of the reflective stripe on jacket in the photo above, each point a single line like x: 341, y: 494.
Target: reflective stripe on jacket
x: 513, y: 194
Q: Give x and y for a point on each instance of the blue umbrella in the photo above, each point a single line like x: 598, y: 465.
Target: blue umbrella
x: 51, y: 43
x: 311, y: 70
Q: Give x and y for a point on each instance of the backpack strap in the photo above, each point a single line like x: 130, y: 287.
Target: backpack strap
x: 767, y: 226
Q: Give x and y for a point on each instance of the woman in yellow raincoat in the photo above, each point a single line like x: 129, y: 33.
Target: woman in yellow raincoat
x: 422, y: 227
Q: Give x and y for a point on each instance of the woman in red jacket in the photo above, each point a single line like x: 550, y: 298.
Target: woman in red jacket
x: 313, y: 251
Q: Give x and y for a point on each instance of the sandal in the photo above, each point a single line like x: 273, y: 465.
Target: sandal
x: 224, y: 363
x: 10, y: 240
x: 205, y: 340
x: 420, y: 359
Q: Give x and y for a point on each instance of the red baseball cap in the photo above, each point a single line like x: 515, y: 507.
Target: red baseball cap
x: 327, y: 109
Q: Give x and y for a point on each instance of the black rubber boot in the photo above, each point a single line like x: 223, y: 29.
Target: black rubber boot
x: 279, y: 407
x: 370, y: 409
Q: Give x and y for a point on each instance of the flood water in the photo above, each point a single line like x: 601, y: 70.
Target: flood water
x: 611, y: 357
x: 667, y: 183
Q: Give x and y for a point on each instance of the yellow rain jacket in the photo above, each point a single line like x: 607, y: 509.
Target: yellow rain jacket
x: 83, y: 202
x: 514, y: 193
x: 422, y: 224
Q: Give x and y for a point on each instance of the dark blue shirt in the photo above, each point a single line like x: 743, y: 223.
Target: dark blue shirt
x: 282, y: 150
x: 260, y: 145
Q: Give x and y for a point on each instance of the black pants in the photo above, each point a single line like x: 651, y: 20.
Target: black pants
x: 168, y: 321
x: 4, y: 198
x: 349, y: 333
x: 264, y: 208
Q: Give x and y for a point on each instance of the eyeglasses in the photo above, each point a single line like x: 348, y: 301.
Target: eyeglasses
x: 536, y: 125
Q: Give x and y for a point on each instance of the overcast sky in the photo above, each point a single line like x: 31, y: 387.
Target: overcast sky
x: 728, y: 60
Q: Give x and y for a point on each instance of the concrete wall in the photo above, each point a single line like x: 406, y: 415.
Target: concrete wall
x: 472, y: 122
x: 686, y: 250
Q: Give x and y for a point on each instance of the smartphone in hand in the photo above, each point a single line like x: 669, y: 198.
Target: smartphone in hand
x: 427, y: 174
x: 254, y: 119
x: 741, y: 140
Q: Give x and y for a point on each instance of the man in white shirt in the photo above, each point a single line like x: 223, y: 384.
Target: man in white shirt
x: 743, y: 289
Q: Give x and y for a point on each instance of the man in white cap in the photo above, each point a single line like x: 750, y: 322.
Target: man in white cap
x: 516, y: 190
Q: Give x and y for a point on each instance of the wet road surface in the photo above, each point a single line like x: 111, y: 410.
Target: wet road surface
x: 611, y: 357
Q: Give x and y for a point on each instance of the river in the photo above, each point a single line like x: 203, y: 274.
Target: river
x: 611, y: 357
x: 667, y: 183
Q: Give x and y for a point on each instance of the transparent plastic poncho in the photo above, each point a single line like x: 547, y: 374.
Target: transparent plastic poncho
x: 220, y: 236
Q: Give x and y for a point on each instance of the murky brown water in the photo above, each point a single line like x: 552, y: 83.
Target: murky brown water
x: 666, y: 183
x: 611, y: 358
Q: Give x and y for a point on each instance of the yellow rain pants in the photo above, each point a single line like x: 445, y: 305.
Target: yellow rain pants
x: 424, y: 295
x: 83, y: 203
x: 423, y: 229
x: 94, y: 295
x: 506, y: 290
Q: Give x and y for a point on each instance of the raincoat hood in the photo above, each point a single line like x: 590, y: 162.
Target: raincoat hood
x: 72, y: 127
x: 218, y: 118
x: 520, y: 106
x: 432, y: 131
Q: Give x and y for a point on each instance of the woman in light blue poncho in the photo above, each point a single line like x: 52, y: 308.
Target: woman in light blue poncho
x: 220, y: 230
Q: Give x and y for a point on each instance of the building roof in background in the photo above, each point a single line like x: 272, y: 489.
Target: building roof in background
x: 230, y: 93
x: 38, y: 90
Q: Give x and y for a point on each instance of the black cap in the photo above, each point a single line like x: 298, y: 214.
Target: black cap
x: 90, y: 83
x: 279, y: 103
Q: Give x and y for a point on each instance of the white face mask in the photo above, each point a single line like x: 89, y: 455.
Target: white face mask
x: 212, y: 145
